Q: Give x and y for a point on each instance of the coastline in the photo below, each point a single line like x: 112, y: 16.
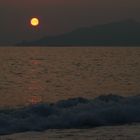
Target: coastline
x: 122, y: 132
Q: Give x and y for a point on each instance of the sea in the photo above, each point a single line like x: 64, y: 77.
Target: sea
x: 69, y: 91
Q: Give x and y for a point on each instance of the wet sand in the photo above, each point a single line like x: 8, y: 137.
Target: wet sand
x: 124, y: 132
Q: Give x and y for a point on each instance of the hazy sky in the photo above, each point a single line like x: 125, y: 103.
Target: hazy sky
x: 58, y: 16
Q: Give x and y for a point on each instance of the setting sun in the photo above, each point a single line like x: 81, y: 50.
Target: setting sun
x: 34, y: 21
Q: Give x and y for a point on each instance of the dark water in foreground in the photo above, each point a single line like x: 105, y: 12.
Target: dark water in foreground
x: 72, y: 113
x: 33, y: 75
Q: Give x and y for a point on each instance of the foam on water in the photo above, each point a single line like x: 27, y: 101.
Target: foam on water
x: 71, y: 113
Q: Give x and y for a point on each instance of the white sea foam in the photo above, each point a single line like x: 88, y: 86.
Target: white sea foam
x: 71, y: 113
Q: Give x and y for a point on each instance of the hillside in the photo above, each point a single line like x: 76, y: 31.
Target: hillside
x: 124, y: 33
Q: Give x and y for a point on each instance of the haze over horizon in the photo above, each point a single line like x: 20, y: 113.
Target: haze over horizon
x: 61, y: 16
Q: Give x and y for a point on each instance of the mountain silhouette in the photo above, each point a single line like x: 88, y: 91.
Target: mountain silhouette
x: 123, y: 33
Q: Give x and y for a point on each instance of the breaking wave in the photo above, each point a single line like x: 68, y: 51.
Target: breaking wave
x: 71, y: 113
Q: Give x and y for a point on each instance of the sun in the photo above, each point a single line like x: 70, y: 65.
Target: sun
x: 34, y: 21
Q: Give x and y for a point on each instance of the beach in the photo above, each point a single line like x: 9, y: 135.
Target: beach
x: 123, y: 132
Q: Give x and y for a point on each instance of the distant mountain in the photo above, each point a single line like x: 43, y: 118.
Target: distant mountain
x: 124, y: 33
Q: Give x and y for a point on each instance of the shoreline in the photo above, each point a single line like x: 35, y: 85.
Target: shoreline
x: 121, y: 132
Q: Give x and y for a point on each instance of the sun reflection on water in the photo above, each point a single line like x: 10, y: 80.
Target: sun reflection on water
x: 34, y: 84
x: 35, y: 99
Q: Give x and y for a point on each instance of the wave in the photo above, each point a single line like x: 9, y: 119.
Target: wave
x: 71, y: 113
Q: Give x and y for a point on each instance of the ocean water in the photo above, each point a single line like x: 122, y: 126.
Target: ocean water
x: 60, y: 88
x: 74, y: 113
x: 44, y: 74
